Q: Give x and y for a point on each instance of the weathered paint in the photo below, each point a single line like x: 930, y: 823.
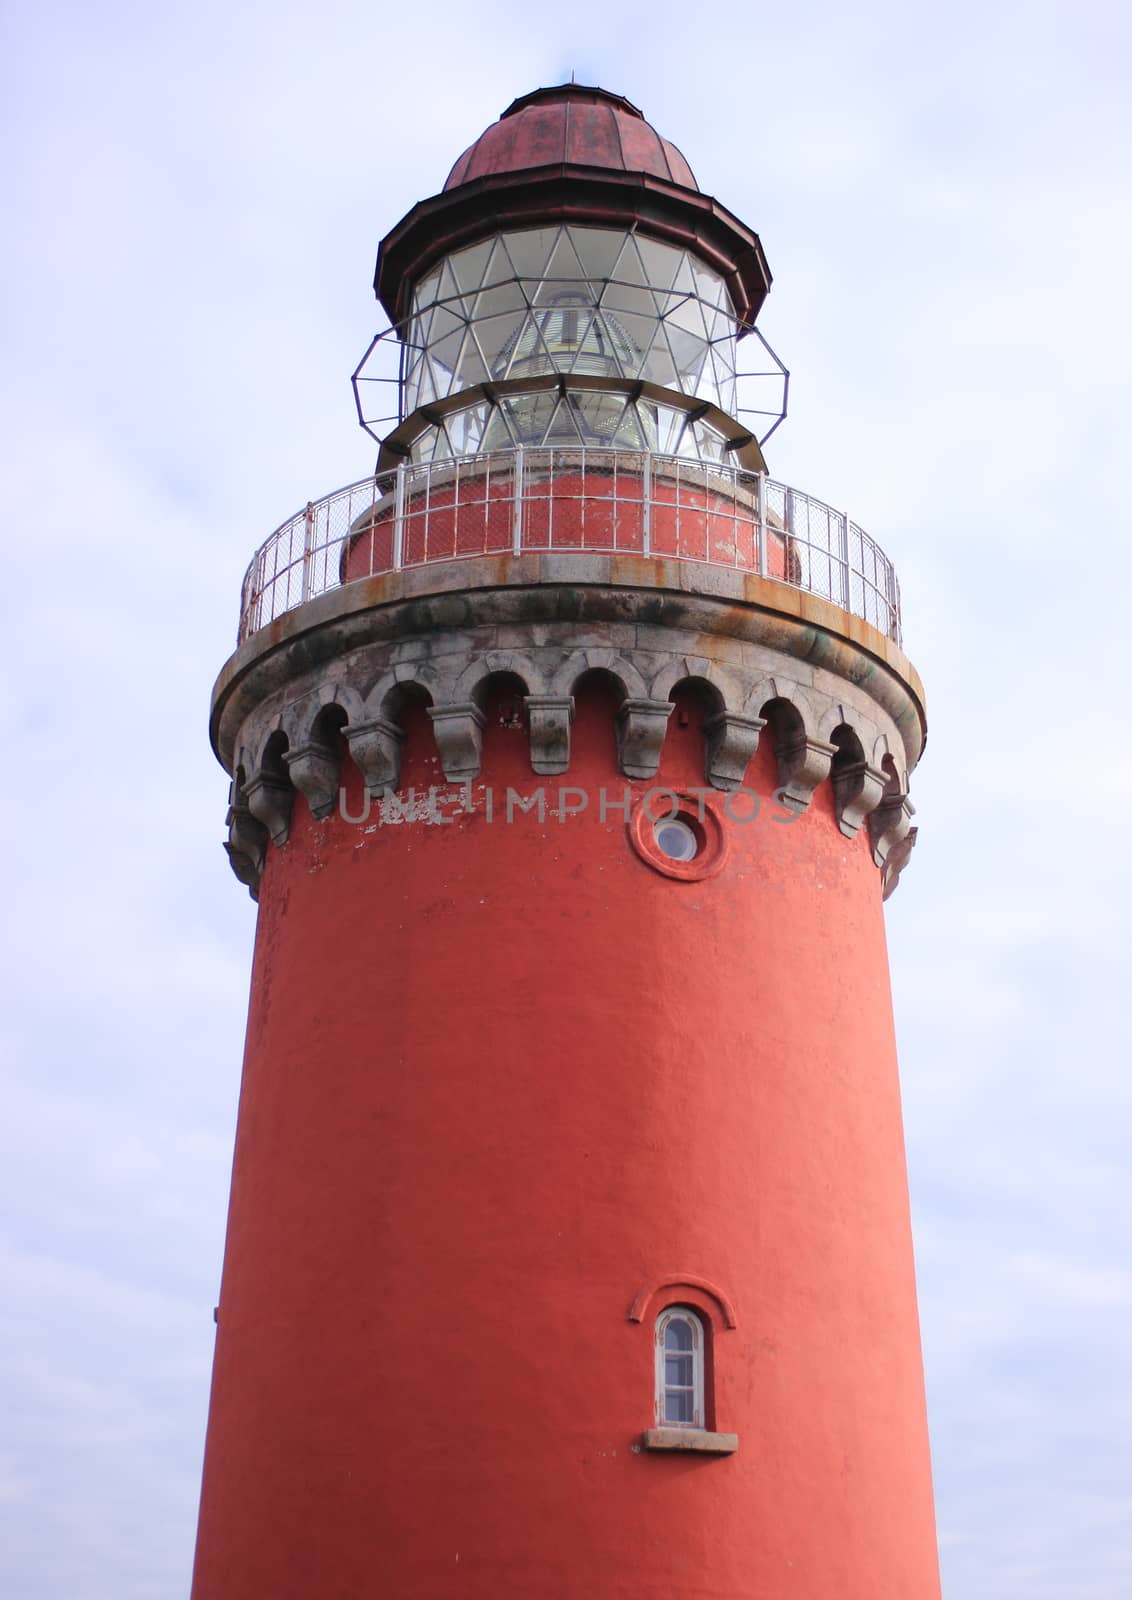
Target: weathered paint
x: 500, y: 1081
x: 596, y: 510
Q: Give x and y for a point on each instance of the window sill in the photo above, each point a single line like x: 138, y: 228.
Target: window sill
x: 698, y: 1439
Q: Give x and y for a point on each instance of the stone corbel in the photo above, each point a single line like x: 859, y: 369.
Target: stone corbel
x: 549, y: 718
x: 731, y: 742
x: 641, y: 726
x: 314, y: 772
x: 269, y: 799
x: 375, y: 748
x: 857, y: 791
x: 802, y: 765
x: 459, y: 738
x: 246, y: 846
x: 896, y: 861
x: 889, y: 826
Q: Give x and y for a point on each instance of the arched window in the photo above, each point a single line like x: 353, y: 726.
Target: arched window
x: 679, y: 1369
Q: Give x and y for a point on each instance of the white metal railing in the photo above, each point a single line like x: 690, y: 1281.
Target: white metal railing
x: 554, y: 498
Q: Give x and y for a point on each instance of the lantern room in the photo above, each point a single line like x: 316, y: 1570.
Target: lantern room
x: 570, y: 286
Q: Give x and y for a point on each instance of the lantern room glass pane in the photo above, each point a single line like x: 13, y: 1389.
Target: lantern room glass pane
x: 595, y: 301
x: 583, y: 416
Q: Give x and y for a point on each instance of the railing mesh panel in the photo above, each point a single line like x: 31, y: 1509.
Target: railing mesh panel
x: 564, y: 498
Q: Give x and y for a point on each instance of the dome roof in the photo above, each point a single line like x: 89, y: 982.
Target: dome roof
x: 579, y: 155
x: 573, y: 125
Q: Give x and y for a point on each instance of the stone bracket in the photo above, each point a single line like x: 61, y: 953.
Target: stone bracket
x: 246, y: 846
x: 375, y: 748
x: 269, y: 799
x: 549, y: 718
x: 641, y: 726
x: 314, y: 772
x: 889, y: 825
x: 802, y: 765
x: 896, y: 861
x: 857, y: 791
x: 731, y: 742
x: 459, y: 738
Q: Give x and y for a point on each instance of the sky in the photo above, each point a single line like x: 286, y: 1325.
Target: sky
x: 194, y: 196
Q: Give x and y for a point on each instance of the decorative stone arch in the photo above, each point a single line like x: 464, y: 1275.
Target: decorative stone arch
x: 890, y: 824
x: 641, y: 720
x: 302, y: 716
x: 671, y: 1284
x: 802, y: 757
x: 315, y: 724
x: 246, y: 843
x: 384, y: 697
x: 730, y: 738
x: 857, y: 787
x: 764, y: 690
x: 269, y: 791
x: 697, y: 669
x: 373, y: 735
x: 882, y: 751
x: 594, y: 659
x: 831, y: 714
x: 491, y: 664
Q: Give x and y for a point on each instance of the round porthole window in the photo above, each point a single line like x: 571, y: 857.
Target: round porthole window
x: 679, y: 835
x: 676, y: 839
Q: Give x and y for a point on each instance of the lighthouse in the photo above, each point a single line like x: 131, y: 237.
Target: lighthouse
x: 569, y: 1249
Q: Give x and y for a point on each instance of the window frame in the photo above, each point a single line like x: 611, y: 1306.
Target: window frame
x: 688, y: 1314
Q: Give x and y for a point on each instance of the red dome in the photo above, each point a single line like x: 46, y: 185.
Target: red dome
x: 573, y: 125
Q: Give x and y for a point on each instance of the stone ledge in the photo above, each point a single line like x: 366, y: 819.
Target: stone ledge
x: 694, y: 1439
x: 647, y: 592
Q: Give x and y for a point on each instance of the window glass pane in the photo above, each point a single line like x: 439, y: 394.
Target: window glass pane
x: 471, y: 369
x: 530, y: 250
x: 444, y: 321
x: 445, y: 353
x: 598, y: 249
x: 606, y: 419
x: 684, y: 279
x: 468, y: 265
x: 630, y: 268
x: 688, y: 314
x: 711, y: 287
x: 678, y: 1335
x: 497, y: 336
x: 669, y: 429
x: 621, y: 297
x: 564, y: 261
x: 549, y: 291
x: 678, y: 1371
x: 426, y: 289
x: 660, y: 261
x: 709, y: 444
x: 688, y: 352
x: 678, y: 1406
x: 660, y: 366
x: 501, y: 297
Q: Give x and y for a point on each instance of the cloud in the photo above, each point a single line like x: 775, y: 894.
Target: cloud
x: 196, y: 207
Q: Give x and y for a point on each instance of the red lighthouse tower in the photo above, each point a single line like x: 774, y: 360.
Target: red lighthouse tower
x: 569, y: 1248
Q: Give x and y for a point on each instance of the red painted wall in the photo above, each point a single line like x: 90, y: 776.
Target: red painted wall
x: 570, y: 511
x: 498, y: 1079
